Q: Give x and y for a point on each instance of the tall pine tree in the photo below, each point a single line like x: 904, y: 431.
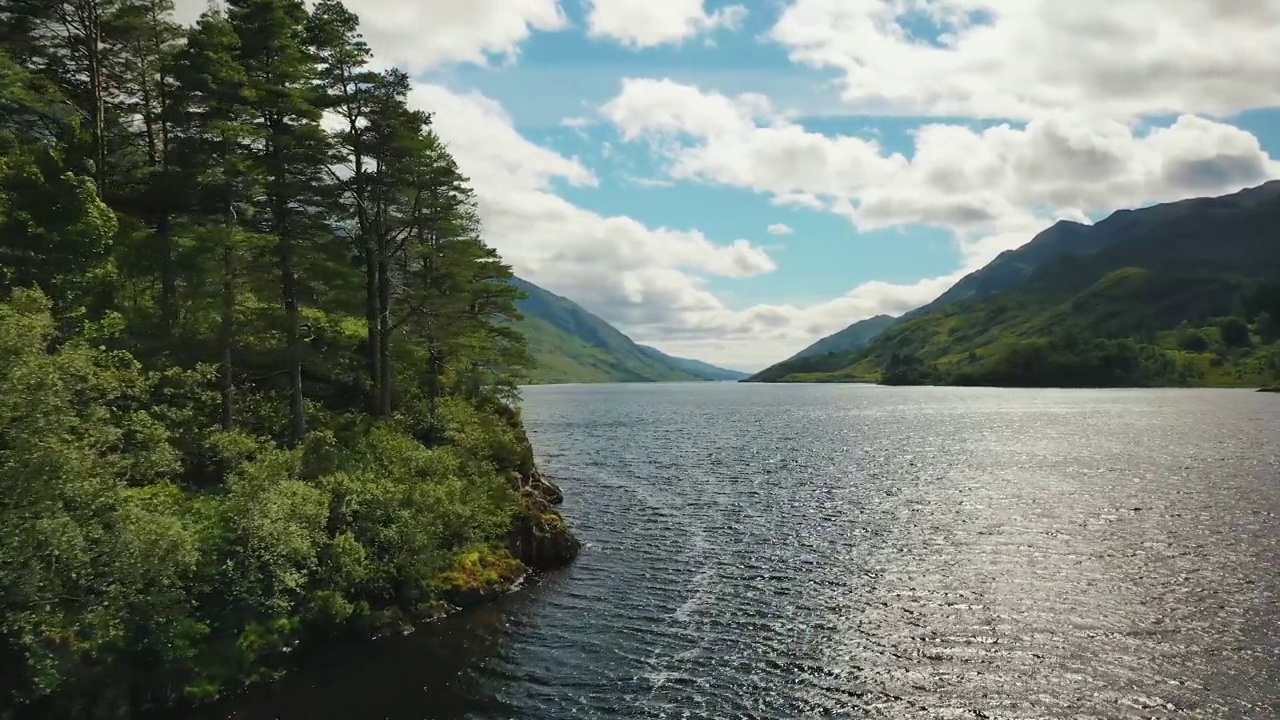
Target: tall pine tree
x: 290, y: 152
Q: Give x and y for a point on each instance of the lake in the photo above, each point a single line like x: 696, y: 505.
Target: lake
x: 759, y: 551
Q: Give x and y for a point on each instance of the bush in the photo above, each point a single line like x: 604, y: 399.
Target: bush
x: 1193, y: 341
x: 122, y: 582
x: 1234, y: 332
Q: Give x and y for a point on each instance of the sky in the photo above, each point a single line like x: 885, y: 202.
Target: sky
x: 731, y: 180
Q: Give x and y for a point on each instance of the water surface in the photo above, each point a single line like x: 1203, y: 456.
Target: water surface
x: 844, y: 551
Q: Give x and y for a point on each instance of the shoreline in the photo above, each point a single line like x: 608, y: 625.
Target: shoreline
x: 538, y: 543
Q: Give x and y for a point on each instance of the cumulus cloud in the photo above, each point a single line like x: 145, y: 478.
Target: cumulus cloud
x: 649, y: 23
x: 780, y: 229
x: 743, y: 141
x: 419, y: 36
x: 971, y: 181
x: 1020, y: 58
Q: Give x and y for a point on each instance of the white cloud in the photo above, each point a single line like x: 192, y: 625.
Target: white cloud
x: 780, y: 229
x: 649, y: 23
x: 419, y: 36
x: 742, y: 141
x: 650, y: 182
x: 1021, y: 58
x: 958, y: 178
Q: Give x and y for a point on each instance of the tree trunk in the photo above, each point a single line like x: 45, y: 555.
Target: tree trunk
x: 372, y: 304
x: 157, y: 135
x: 228, y: 332
x: 435, y: 362
x: 93, y: 48
x: 384, y: 335
x: 293, y: 339
x: 168, y: 273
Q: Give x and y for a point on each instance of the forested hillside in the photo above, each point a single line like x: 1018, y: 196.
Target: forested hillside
x: 1178, y: 294
x: 255, y: 369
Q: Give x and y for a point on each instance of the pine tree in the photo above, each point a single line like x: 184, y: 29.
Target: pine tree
x: 66, y: 42
x: 289, y: 151
x: 148, y: 39
x: 211, y: 117
x: 354, y: 93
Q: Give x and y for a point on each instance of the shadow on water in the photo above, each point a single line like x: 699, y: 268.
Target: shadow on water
x: 445, y: 670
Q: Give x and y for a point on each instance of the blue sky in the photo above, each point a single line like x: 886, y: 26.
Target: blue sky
x: 634, y: 155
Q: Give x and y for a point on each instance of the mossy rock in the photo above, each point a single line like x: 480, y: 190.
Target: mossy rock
x: 542, y: 540
x: 478, y: 575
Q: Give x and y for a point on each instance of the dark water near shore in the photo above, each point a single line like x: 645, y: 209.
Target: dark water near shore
x: 844, y: 552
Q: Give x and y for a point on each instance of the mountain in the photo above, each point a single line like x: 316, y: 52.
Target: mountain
x: 854, y: 337
x: 1066, y: 238
x: 1012, y: 268
x: 703, y: 370
x: 1176, y: 294
x: 571, y: 345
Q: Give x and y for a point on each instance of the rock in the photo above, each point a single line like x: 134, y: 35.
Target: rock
x: 547, y: 489
x: 541, y: 540
x: 539, y: 537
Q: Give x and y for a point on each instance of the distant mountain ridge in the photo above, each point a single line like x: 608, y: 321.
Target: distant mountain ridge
x: 1137, y: 274
x: 572, y: 345
x: 696, y: 367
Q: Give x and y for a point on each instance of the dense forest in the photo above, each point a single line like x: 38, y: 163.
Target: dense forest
x: 257, y: 365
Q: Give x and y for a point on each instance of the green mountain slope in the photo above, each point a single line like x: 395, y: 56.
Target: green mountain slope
x: 854, y: 337
x: 1177, y: 294
x: 1013, y: 268
x: 571, y: 345
x: 701, y: 369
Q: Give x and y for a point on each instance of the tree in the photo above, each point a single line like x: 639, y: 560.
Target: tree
x: 1193, y: 341
x: 904, y: 368
x: 67, y: 43
x: 1234, y: 332
x: 55, y: 232
x: 1265, y: 325
x: 211, y: 117
x: 171, y: 528
x: 360, y: 98
x: 148, y: 40
x: 289, y: 151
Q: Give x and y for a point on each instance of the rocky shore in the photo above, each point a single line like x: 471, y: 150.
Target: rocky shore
x: 539, y: 541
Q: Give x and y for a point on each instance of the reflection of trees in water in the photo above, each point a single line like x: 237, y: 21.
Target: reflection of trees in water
x: 446, y: 670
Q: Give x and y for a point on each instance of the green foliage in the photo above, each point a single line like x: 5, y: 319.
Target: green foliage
x: 1234, y: 332
x: 235, y: 412
x: 1265, y: 325
x: 1192, y: 340
x: 906, y: 368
